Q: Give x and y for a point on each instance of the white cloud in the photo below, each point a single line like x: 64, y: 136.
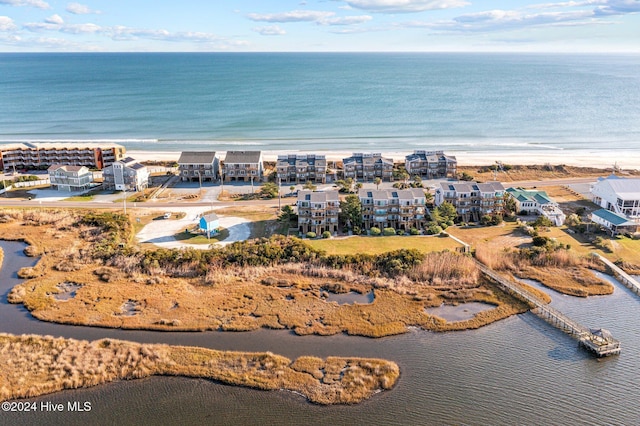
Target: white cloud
x: 54, y: 19
x: 30, y: 3
x: 271, y: 30
x: 320, y: 18
x: 81, y: 9
x: 405, y: 6
x: 347, y: 20
x: 293, y: 16
x: 6, y: 24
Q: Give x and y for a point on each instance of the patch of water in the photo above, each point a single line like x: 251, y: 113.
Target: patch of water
x: 350, y: 298
x: 67, y: 291
x: 461, y: 312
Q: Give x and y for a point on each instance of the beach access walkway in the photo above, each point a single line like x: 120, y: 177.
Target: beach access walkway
x: 599, y: 342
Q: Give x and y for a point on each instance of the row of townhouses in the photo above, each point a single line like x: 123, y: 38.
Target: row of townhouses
x: 34, y: 155
x: 398, y: 209
x: 300, y: 168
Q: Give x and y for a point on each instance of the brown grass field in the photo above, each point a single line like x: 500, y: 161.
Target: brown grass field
x: 38, y: 365
x: 536, y: 172
x: 291, y: 296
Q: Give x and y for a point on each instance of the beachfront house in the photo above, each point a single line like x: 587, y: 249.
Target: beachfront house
x: 472, y: 200
x: 126, y: 175
x: 431, y: 164
x: 619, y: 195
x: 210, y: 224
x: 367, y: 167
x: 70, y: 178
x: 300, y: 168
x: 395, y: 208
x: 318, y: 211
x: 198, y: 166
x: 36, y: 155
x: 615, y: 223
x: 532, y: 202
x: 243, y: 166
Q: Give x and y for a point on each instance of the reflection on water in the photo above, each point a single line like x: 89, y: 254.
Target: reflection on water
x: 517, y: 371
x: 460, y: 312
x: 350, y: 298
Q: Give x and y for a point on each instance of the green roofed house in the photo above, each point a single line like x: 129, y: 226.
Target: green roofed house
x: 614, y: 222
x: 538, y: 203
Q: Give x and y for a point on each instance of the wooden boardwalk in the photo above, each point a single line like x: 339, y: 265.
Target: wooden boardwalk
x: 621, y: 275
x: 599, y: 342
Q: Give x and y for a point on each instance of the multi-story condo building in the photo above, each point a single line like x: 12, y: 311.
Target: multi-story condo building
x: 126, y: 175
x: 34, y: 155
x: 537, y: 202
x: 619, y: 195
x: 367, y: 167
x: 70, y: 178
x: 242, y: 166
x: 472, y: 200
x: 431, y: 164
x: 300, y: 168
x: 198, y: 166
x: 318, y: 211
x: 394, y: 208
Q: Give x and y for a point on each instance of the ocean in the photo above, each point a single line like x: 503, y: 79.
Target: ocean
x: 326, y: 102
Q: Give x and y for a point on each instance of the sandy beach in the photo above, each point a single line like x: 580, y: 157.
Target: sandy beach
x: 627, y: 159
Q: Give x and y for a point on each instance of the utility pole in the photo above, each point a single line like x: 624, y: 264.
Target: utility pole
x: 124, y: 200
x: 279, y: 198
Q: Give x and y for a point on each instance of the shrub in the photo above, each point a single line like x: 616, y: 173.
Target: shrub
x: 400, y: 232
x: 311, y: 234
x: 389, y: 231
x: 375, y: 231
x: 433, y: 229
x: 540, y: 241
x: 496, y: 219
x: 414, y: 231
x: 326, y: 234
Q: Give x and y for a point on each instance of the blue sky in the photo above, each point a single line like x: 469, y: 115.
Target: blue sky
x: 320, y: 25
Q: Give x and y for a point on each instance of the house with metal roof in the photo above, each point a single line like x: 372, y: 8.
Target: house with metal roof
x: 126, y: 175
x: 393, y: 208
x: 538, y: 203
x: 431, y: 164
x: 198, y: 166
x: 70, y: 178
x: 472, y: 200
x: 614, y: 222
x: 243, y: 166
x: 619, y: 195
x: 209, y: 224
x: 318, y: 211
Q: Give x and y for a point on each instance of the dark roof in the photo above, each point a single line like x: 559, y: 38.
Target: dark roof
x: 197, y: 157
x: 242, y: 157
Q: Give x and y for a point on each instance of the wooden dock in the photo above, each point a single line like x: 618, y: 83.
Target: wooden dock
x: 620, y: 275
x: 599, y: 342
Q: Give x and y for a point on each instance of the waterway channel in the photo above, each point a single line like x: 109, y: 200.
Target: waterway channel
x: 517, y: 371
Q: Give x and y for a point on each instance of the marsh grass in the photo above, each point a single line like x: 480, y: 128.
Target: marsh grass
x: 276, y: 283
x: 561, y: 270
x: 38, y: 365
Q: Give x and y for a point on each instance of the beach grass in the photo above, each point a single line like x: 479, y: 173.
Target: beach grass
x: 377, y: 245
x: 38, y: 365
x: 83, y: 197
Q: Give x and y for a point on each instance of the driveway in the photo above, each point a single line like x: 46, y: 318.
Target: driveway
x: 161, y: 232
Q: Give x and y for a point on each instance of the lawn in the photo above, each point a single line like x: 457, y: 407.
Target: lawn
x: 376, y: 245
x: 191, y: 238
x: 83, y: 197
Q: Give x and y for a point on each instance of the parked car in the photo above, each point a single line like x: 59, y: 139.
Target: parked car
x: 167, y: 215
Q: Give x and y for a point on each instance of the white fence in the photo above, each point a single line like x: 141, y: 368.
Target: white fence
x: 31, y: 183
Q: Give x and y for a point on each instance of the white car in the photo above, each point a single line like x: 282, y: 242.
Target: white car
x: 167, y: 215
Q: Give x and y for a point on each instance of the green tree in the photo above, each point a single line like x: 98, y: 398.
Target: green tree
x: 310, y: 186
x: 377, y: 181
x: 287, y: 214
x: 542, y: 221
x: 466, y: 177
x: 269, y: 190
x: 447, y: 212
x: 401, y: 174
x: 345, y: 185
x: 351, y: 212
